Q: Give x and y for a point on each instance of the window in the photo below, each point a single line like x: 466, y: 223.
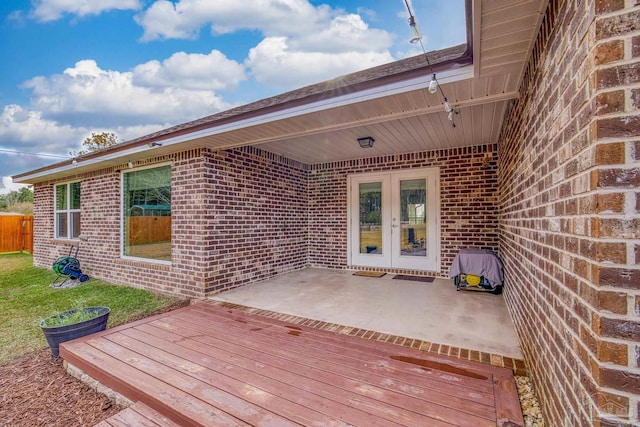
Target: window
x: 146, y: 205
x: 67, y: 210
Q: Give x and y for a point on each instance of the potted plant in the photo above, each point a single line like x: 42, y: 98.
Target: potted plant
x: 73, y: 324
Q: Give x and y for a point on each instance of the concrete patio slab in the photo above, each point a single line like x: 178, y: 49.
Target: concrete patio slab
x: 433, y: 312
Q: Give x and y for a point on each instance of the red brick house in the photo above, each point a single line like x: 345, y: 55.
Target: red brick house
x: 543, y: 166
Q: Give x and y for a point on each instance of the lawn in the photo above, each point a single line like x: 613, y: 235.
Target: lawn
x: 26, y: 298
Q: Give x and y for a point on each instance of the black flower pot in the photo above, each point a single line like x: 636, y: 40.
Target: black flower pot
x: 59, y: 334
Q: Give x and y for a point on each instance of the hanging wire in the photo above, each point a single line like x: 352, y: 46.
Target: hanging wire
x: 4, y: 150
x: 451, y: 111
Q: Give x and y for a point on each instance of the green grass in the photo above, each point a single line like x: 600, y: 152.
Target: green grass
x: 26, y: 298
x: 72, y: 317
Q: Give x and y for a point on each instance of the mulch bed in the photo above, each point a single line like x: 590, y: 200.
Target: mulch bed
x: 37, y: 391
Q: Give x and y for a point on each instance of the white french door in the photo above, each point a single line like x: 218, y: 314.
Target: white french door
x: 394, y: 219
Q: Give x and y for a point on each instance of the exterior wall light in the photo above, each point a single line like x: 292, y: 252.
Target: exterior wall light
x: 366, y: 142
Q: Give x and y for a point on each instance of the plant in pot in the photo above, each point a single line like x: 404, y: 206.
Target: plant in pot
x: 73, y: 324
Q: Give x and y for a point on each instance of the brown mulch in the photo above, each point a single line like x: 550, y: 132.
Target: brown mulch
x: 35, y: 390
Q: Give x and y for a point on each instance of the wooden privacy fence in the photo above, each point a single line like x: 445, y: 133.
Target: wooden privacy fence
x: 148, y: 229
x: 16, y: 233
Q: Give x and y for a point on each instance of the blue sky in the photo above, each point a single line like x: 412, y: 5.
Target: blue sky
x: 72, y: 67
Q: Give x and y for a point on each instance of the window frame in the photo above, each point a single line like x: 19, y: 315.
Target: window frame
x: 123, y: 217
x: 68, y: 211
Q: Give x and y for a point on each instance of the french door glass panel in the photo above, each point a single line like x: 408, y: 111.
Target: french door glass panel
x: 371, y: 218
x: 395, y: 219
x: 413, y: 217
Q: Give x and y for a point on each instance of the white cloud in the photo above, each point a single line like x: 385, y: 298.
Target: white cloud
x: 28, y: 141
x: 272, y: 62
x: 51, y: 10
x: 303, y: 44
x: 25, y: 130
x: 183, y: 19
x: 105, y: 98
x: 8, y: 185
x: 191, y: 71
x: 65, y: 108
x: 344, y: 33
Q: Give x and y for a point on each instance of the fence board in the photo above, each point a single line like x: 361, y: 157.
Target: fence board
x: 16, y: 233
x: 148, y: 229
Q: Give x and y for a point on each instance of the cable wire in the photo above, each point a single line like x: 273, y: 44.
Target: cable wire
x: 4, y: 150
x: 412, y: 23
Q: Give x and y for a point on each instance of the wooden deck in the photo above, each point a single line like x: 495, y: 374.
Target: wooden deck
x: 205, y: 365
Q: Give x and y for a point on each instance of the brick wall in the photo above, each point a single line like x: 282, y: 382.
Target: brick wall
x: 569, y: 227
x: 257, y: 217
x: 237, y: 216
x: 468, y: 192
x: 243, y: 215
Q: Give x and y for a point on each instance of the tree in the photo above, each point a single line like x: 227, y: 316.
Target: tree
x: 96, y: 142
x: 24, y: 195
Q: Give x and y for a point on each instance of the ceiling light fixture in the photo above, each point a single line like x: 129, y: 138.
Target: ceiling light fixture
x: 366, y: 142
x: 434, y: 85
x: 130, y: 164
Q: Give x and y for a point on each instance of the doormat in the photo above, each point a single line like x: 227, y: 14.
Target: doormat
x: 369, y: 273
x: 413, y: 278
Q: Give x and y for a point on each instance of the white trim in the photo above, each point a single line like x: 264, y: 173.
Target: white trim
x: 382, y: 259
x: 146, y: 260
x: 388, y: 258
x: 416, y: 83
x: 432, y: 178
x: 137, y: 169
x: 68, y: 211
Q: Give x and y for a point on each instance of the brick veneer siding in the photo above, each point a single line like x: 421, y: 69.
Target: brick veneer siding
x: 468, y: 201
x: 570, y: 223
x: 258, y: 224
x: 237, y: 216
x: 243, y: 215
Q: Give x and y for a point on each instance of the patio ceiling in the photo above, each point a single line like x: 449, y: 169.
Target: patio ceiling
x: 415, y: 120
x: 409, y: 119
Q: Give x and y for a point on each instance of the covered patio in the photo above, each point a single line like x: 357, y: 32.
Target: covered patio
x: 215, y: 364
x: 429, y: 311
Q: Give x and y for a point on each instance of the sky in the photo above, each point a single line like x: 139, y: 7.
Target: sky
x: 132, y: 67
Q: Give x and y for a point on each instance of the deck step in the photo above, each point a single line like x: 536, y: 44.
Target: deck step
x: 137, y: 415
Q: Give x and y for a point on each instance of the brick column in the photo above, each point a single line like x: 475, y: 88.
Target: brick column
x: 570, y: 216
x: 615, y: 179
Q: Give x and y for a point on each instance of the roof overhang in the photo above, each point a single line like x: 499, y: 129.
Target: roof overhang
x: 321, y: 123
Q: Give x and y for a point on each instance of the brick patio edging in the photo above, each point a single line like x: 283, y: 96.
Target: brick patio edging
x: 517, y: 366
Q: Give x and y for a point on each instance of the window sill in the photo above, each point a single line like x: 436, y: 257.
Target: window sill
x: 145, y: 263
x: 67, y: 242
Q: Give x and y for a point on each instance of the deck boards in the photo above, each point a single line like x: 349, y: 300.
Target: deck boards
x: 205, y: 365
x: 137, y: 415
